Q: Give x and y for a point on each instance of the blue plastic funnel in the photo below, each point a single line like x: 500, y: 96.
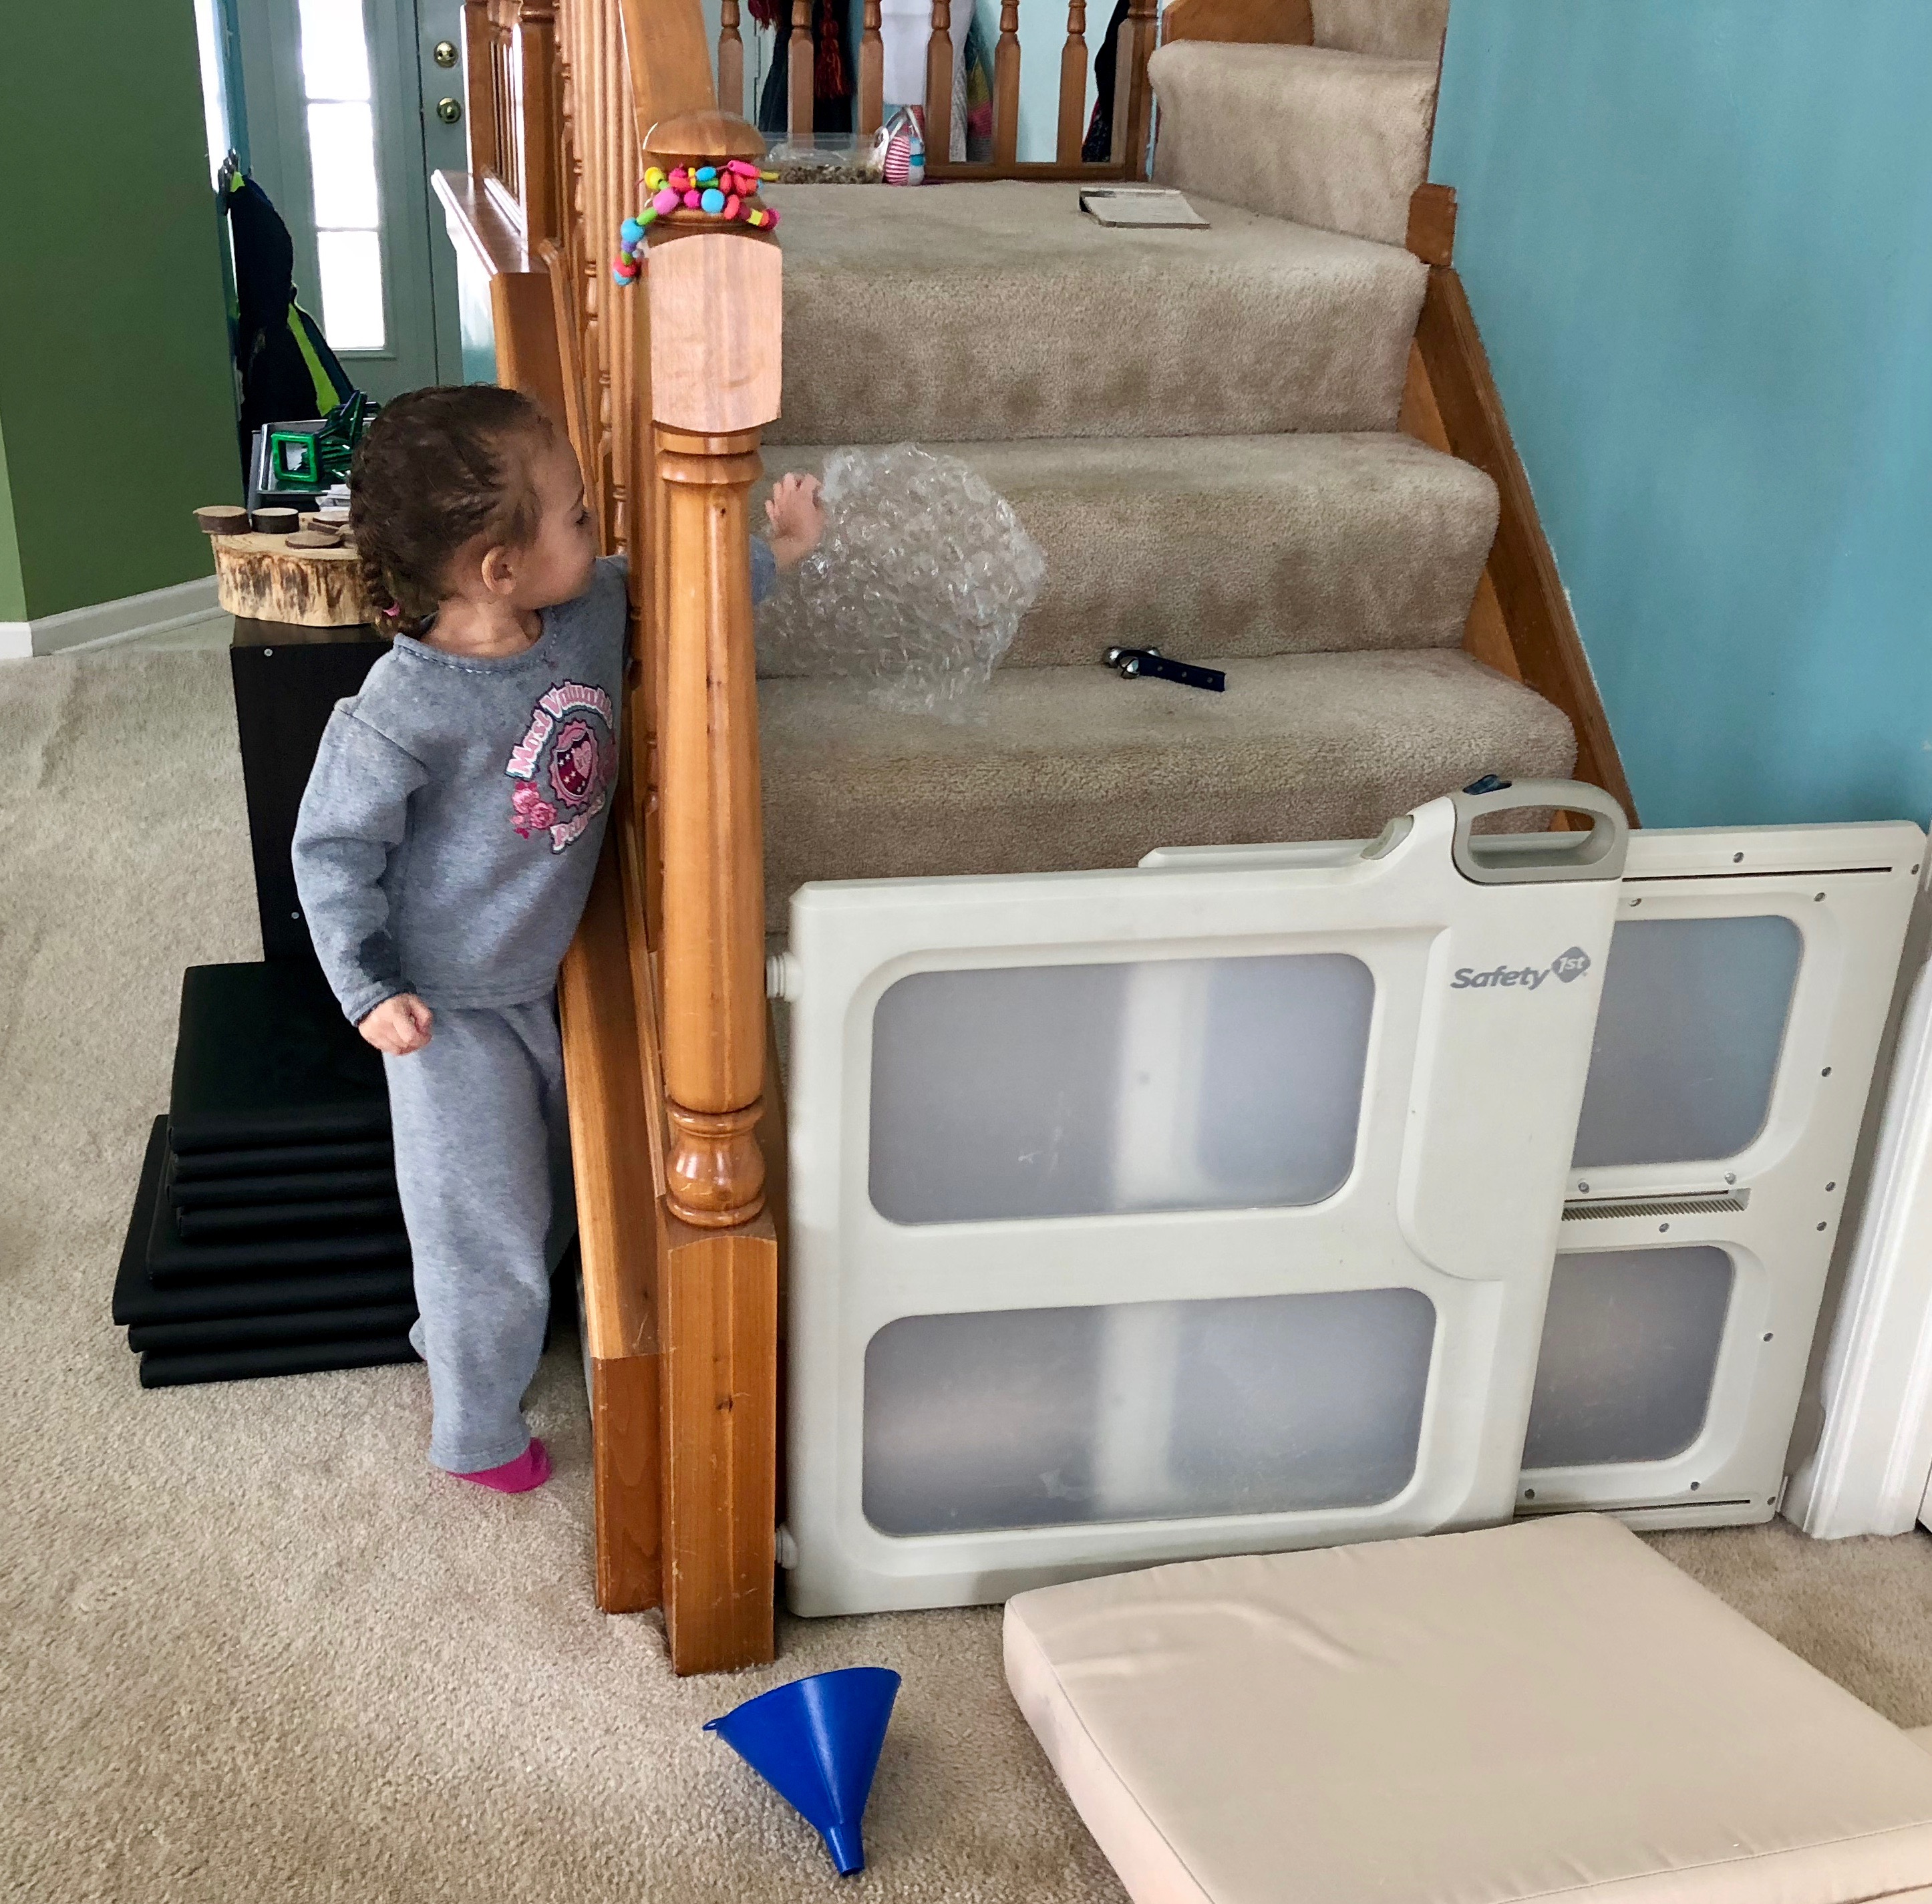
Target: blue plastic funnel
x: 816, y: 1742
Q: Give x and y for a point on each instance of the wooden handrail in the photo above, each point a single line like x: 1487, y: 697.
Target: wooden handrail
x: 1255, y: 22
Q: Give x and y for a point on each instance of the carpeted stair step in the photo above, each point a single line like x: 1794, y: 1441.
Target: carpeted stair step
x: 1287, y: 544
x: 1395, y: 29
x: 1073, y: 767
x: 975, y: 312
x: 1324, y: 137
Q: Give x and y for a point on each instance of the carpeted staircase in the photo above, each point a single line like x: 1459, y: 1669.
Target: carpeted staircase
x: 1200, y: 428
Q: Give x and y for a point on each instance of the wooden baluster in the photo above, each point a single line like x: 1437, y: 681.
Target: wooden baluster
x: 536, y: 52
x: 1006, y: 88
x: 731, y: 60
x: 615, y: 104
x: 1133, y: 97
x: 939, y: 85
x: 799, y: 81
x: 872, y: 73
x: 1072, y: 86
x: 623, y: 337
x: 478, y: 86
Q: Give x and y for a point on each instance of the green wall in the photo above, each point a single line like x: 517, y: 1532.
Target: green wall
x: 114, y: 384
x: 13, y: 589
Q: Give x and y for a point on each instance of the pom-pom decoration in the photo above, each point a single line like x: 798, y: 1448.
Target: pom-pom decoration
x: 691, y: 194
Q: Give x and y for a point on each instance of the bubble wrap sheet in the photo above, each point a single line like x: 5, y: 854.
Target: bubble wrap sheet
x: 918, y: 585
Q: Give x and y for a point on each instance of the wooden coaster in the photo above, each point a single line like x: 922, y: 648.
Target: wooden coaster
x: 315, y: 538
x: 276, y: 522
x: 222, y: 519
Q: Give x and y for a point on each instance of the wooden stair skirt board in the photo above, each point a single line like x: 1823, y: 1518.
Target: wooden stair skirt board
x: 684, y: 1438
x: 1520, y: 623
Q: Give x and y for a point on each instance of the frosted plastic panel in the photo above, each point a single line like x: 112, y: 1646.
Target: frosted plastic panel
x: 1078, y: 1090
x: 342, y: 159
x: 352, y: 289
x: 1629, y: 1347
x: 335, y: 53
x: 1687, y: 1039
x: 1246, y: 1404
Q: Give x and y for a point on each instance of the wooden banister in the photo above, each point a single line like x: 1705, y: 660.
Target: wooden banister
x: 1072, y: 130
x: 1006, y: 88
x: 939, y: 86
x: 872, y: 73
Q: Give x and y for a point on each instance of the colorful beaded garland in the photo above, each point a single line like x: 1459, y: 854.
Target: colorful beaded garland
x: 725, y: 191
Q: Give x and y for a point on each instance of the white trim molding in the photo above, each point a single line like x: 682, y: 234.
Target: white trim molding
x: 1868, y: 1474
x: 160, y: 611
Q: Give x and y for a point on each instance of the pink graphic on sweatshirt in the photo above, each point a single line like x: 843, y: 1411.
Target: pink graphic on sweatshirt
x: 570, y: 748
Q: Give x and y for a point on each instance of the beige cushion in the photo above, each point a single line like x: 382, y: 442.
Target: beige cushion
x: 1548, y: 1710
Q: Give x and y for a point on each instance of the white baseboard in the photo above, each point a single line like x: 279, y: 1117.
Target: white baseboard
x: 158, y: 612
x: 1868, y: 1473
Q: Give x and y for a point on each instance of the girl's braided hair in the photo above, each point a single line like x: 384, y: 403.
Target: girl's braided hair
x: 437, y: 468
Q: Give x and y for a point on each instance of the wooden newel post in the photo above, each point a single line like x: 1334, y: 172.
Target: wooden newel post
x: 716, y: 314
x: 715, y: 293
x: 714, y: 965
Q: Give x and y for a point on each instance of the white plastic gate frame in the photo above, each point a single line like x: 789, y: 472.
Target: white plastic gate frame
x: 1046, y: 1365
x: 1687, y: 1288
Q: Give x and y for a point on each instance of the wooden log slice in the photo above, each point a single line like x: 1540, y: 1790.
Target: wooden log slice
x: 315, y: 538
x: 262, y: 578
x: 276, y: 522
x: 222, y: 519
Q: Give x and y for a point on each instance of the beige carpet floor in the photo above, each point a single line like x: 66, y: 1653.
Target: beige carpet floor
x: 252, y: 1647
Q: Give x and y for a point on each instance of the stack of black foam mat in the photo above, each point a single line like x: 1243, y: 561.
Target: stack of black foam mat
x: 266, y: 1237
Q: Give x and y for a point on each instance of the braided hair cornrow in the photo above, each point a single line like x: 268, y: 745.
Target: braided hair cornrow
x: 438, y: 468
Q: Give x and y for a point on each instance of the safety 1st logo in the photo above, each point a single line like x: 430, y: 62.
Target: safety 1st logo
x: 1566, y: 968
x: 564, y: 765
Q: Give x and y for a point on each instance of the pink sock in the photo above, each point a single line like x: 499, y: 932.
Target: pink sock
x: 530, y: 1469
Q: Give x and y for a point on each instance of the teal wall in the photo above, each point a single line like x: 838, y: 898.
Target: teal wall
x: 1697, y: 236
x: 114, y: 385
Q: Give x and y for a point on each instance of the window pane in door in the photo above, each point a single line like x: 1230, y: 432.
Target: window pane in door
x: 352, y: 289
x: 334, y: 55
x: 342, y: 158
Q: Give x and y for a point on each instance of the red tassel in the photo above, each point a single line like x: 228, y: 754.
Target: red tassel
x: 764, y: 12
x: 828, y: 73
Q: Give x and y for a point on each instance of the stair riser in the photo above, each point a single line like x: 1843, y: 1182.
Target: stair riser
x: 1326, y: 138
x: 1070, y: 332
x: 1069, y: 768
x: 1238, y: 548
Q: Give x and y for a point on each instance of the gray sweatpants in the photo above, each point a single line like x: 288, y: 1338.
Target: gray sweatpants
x: 483, y: 1163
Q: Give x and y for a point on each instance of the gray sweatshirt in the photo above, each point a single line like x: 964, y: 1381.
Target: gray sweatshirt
x: 451, y: 825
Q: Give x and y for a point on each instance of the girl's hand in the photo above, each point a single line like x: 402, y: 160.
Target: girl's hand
x: 399, y: 1025
x: 796, y: 513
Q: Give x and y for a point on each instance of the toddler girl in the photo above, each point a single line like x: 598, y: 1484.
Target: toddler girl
x: 444, y: 851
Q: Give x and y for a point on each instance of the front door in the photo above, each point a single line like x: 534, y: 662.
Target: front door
x: 350, y: 105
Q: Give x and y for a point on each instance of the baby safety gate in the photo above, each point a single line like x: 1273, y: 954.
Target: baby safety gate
x: 1266, y: 1197
x: 1749, y: 981
x: 1182, y: 1209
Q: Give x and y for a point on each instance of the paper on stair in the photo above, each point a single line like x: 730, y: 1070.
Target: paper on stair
x: 1139, y: 205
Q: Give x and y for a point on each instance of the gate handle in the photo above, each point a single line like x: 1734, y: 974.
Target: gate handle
x: 1518, y: 858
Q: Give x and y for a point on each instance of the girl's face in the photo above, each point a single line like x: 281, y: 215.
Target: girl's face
x: 555, y: 567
